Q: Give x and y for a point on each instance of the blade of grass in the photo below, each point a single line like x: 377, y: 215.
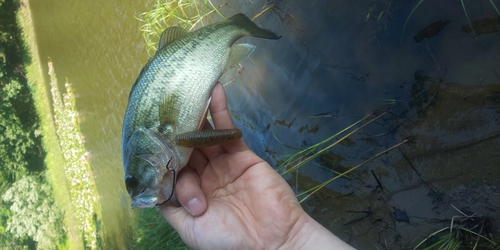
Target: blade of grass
x: 408, y: 18
x: 330, y: 170
x: 309, y: 150
x: 300, y: 164
x: 217, y: 9
x: 476, y: 234
x: 430, y: 235
x: 281, y: 142
x: 262, y: 12
x: 466, y: 15
x: 318, y: 187
x: 495, y: 6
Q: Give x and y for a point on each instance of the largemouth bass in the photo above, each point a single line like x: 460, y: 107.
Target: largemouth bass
x: 168, y: 104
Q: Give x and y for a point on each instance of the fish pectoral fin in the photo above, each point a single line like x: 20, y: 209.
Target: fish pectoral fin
x: 168, y: 110
x: 238, y: 53
x: 205, y: 138
x: 203, y: 117
x: 169, y: 35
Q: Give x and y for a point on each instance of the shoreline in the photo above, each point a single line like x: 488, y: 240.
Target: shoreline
x: 54, y: 160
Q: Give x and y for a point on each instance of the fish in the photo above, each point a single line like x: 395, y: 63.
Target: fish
x: 168, y: 104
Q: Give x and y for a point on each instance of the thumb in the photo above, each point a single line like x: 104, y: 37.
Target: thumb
x: 189, y: 195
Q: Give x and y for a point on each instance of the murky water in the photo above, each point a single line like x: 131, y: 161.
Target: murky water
x: 331, y: 67
x: 98, y: 47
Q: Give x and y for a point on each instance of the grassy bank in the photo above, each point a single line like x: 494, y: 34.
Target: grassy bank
x: 80, y: 225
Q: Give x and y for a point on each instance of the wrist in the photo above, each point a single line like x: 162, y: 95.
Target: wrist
x: 309, y: 234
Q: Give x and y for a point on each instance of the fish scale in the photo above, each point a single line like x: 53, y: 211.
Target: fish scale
x: 169, y: 99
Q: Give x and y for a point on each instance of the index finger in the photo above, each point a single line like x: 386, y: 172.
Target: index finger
x: 222, y: 118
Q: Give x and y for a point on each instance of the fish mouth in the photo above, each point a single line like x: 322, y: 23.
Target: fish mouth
x: 145, y: 199
x: 144, y: 202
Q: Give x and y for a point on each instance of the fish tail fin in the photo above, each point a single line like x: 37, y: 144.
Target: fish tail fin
x: 254, y: 30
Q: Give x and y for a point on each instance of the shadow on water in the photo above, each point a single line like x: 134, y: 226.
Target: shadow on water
x: 336, y: 62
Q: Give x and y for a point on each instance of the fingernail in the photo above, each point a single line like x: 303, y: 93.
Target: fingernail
x: 195, y: 206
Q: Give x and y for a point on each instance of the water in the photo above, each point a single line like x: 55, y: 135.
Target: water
x: 331, y: 67
x: 98, y: 47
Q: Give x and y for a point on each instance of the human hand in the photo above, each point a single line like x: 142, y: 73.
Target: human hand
x: 232, y: 199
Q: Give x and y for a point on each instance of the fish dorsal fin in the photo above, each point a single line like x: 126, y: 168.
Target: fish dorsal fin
x: 171, y: 34
x: 238, y: 53
x: 168, y: 110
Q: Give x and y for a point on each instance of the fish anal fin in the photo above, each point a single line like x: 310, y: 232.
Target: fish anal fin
x: 171, y: 34
x: 238, y: 53
x: 206, y: 138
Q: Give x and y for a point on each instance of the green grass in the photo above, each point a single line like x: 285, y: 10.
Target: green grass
x: 187, y: 14
x: 463, y: 7
x: 79, y: 202
x: 153, y: 232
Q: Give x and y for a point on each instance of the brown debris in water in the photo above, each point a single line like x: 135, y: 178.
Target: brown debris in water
x: 431, y: 30
x: 483, y: 26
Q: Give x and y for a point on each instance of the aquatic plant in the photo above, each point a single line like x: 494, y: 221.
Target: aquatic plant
x: 464, y: 231
x: 300, y: 158
x: 458, y: 237
x: 82, y: 190
x: 463, y: 7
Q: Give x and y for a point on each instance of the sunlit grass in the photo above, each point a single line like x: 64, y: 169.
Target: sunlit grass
x: 187, y: 14
x: 300, y: 158
x: 463, y: 7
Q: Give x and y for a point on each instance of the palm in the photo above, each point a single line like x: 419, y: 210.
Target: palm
x: 249, y: 206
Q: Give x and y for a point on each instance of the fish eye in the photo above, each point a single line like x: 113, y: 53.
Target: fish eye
x: 131, y: 182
